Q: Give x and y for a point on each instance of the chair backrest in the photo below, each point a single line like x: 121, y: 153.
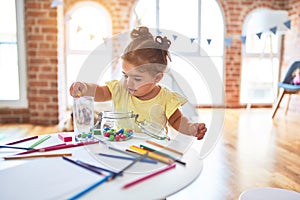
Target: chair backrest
x: 289, y: 75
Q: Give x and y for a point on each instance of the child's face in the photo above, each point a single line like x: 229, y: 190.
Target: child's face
x: 139, y: 83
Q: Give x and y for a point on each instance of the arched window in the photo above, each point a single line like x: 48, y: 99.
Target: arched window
x: 261, y: 54
x: 87, y: 24
x: 198, y: 21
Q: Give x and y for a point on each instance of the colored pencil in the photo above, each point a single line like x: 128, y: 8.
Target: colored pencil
x: 149, y: 176
x: 83, y: 166
x: 164, y: 147
x: 128, y: 166
x: 163, y: 154
x: 37, y: 156
x: 23, y: 140
x: 152, y: 155
x: 96, y: 167
x: 127, y: 158
x: 12, y: 147
x: 40, y: 141
x: 103, y: 180
x: 57, y: 147
x: 124, y: 152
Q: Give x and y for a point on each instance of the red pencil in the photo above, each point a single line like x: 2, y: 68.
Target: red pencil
x: 149, y: 176
x: 23, y: 140
x: 57, y: 147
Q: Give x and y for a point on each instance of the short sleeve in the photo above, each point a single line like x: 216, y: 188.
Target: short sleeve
x: 174, y: 101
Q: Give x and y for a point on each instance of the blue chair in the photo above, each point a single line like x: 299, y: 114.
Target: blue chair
x: 287, y: 88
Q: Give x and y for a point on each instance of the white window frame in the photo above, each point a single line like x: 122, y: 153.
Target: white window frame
x: 22, y: 102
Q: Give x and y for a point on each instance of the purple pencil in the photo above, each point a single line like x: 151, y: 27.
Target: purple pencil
x: 23, y: 140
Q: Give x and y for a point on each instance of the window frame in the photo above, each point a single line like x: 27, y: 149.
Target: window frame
x: 22, y: 102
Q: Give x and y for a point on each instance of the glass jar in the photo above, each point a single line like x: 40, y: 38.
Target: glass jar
x: 117, y: 126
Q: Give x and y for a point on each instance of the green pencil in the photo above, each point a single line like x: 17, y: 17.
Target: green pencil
x: 40, y: 141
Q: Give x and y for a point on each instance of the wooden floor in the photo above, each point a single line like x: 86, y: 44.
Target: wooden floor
x: 254, y: 151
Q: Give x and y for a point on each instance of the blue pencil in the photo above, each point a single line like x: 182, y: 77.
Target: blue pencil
x: 128, y: 158
x: 12, y: 147
x: 106, y: 178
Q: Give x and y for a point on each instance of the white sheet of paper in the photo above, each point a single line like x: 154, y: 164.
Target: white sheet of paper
x: 49, y: 178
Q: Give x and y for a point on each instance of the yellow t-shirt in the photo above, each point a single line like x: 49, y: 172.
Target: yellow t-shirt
x: 157, y: 110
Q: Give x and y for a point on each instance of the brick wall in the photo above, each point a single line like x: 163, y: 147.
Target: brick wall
x: 45, y: 52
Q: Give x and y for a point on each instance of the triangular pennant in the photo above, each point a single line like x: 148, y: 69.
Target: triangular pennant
x: 228, y: 42
x: 158, y: 32
x: 259, y: 35
x: 288, y: 24
x: 243, y: 39
x: 56, y: 3
x: 192, y: 40
x: 208, y: 41
x: 92, y: 36
x: 175, y: 37
x: 67, y: 18
x: 274, y: 30
x: 78, y: 29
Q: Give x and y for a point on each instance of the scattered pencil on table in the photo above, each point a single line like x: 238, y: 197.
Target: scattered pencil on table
x: 103, y: 180
x: 37, y: 156
x: 12, y: 147
x: 149, y: 176
x: 39, y: 141
x: 23, y: 140
x: 152, y: 155
x: 127, y: 158
x: 164, y: 147
x: 163, y: 154
x: 59, y: 146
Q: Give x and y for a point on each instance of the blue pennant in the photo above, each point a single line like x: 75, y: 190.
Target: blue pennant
x: 192, y: 40
x: 158, y: 32
x: 288, y: 24
x: 274, y: 30
x: 243, y: 39
x: 228, y: 42
x: 208, y: 41
x: 175, y: 37
x: 259, y: 34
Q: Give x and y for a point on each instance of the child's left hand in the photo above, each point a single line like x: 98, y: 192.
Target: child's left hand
x: 200, y: 131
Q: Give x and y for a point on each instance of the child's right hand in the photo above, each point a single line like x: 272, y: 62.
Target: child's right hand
x: 78, y: 89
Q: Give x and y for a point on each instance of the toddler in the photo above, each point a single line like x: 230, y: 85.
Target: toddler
x: 145, y: 60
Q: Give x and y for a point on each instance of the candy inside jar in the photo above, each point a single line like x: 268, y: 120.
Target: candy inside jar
x: 117, y: 126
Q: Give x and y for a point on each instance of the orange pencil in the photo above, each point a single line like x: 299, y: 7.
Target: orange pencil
x: 164, y: 147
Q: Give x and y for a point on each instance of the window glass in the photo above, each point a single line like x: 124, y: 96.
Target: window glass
x: 9, y: 72
x: 199, y: 20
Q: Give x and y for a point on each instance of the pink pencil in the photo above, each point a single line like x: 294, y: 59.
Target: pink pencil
x: 149, y: 176
x: 23, y: 140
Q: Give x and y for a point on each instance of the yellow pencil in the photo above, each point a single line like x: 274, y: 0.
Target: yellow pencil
x: 152, y: 155
x: 37, y: 156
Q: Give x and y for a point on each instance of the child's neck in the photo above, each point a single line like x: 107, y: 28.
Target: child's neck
x: 154, y: 92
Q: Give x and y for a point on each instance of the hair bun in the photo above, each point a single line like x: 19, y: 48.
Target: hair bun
x: 141, y: 32
x: 164, y: 42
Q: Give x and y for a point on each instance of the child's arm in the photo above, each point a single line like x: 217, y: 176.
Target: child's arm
x: 100, y: 93
x: 183, y: 125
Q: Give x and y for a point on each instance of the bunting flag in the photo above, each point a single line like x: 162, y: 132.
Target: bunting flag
x: 175, y: 37
x: 78, y: 29
x: 288, y: 24
x: 192, y: 40
x: 243, y: 39
x: 228, y: 42
x: 259, y: 35
x: 67, y: 18
x: 208, y: 41
x: 56, y: 3
x: 274, y: 30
